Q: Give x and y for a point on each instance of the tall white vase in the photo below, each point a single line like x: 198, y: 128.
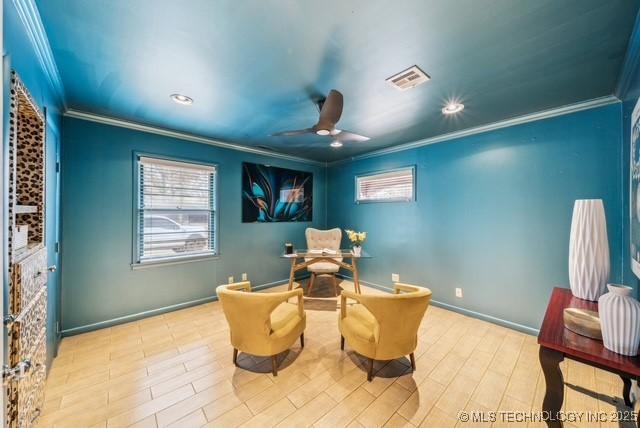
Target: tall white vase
x: 588, y: 250
x: 620, y: 320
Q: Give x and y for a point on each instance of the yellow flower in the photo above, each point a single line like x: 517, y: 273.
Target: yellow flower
x: 356, y: 237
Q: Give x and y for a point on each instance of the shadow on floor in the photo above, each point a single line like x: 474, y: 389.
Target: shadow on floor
x: 257, y: 364
x: 383, y: 369
x: 625, y: 413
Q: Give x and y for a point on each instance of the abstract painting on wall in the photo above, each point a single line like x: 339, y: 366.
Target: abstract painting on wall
x: 635, y: 190
x: 271, y: 194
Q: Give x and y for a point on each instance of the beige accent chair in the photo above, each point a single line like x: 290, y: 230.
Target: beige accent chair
x: 263, y: 324
x: 318, y: 240
x: 383, y: 326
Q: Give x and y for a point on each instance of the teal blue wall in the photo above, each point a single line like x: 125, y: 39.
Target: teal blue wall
x: 97, y: 184
x: 20, y: 56
x: 493, y: 212
x: 492, y: 216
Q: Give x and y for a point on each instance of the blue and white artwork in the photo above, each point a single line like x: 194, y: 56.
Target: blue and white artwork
x: 271, y: 194
x: 635, y: 190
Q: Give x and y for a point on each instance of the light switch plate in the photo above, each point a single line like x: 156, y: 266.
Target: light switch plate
x: 395, y: 277
x: 244, y: 276
x: 230, y: 280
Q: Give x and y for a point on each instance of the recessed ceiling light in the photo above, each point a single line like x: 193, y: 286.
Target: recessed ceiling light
x: 336, y: 144
x: 323, y: 132
x: 452, y: 108
x: 182, y: 99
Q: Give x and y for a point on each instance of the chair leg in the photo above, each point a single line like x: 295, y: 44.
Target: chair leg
x: 274, y: 365
x: 413, y: 362
x: 313, y: 277
x: 342, y: 343
x: 235, y: 357
x: 335, y: 284
x: 302, y: 340
x: 370, y: 371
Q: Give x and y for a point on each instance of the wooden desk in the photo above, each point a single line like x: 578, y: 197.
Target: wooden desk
x: 556, y: 342
x: 309, y: 258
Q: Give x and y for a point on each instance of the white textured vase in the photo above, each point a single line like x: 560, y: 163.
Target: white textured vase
x: 620, y: 320
x: 357, y: 250
x: 588, y: 250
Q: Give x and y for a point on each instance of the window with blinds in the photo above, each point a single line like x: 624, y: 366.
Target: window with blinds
x: 387, y: 186
x: 176, y: 216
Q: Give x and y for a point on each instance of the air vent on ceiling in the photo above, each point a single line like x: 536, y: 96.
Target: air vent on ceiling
x: 408, y: 78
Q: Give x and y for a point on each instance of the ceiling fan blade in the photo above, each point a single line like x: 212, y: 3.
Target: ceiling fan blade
x: 293, y: 133
x: 331, y: 111
x: 344, y: 136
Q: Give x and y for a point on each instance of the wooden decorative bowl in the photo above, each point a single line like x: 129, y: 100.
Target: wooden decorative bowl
x: 583, y: 322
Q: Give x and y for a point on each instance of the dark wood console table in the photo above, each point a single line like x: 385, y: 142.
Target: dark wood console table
x: 556, y: 343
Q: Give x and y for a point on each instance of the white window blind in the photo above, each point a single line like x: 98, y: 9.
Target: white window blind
x: 175, y: 210
x: 394, y: 185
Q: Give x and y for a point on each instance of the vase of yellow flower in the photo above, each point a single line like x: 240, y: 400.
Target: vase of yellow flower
x: 356, y: 238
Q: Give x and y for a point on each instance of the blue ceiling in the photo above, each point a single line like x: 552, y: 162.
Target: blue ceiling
x: 253, y: 65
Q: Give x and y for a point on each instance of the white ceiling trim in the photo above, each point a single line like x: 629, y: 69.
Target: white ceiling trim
x: 544, y: 114
x: 183, y: 136
x: 30, y: 17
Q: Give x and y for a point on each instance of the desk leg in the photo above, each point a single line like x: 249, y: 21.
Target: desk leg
x: 292, y: 273
x: 356, y: 280
x: 626, y: 391
x: 554, y: 396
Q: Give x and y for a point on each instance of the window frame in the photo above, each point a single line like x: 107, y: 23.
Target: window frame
x: 411, y: 168
x: 136, y: 263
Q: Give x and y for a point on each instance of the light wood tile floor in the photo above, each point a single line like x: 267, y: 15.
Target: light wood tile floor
x: 175, y: 370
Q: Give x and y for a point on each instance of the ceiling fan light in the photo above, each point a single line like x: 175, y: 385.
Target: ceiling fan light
x: 323, y: 132
x: 336, y: 144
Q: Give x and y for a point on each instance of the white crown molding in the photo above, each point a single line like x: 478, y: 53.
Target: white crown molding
x: 30, y: 17
x: 544, y: 114
x: 631, y: 61
x: 183, y: 136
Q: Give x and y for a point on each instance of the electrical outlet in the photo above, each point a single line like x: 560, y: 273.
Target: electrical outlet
x: 244, y: 276
x: 395, y: 277
x: 459, y: 293
x: 230, y: 280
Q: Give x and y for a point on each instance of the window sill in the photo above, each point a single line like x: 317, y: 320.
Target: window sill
x: 383, y: 201
x: 173, y: 261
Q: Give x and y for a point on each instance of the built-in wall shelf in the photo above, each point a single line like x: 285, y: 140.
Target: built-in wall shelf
x: 27, y: 260
x: 26, y: 209
x: 26, y: 170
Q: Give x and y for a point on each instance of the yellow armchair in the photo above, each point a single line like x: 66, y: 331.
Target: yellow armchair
x: 383, y: 326
x: 263, y: 324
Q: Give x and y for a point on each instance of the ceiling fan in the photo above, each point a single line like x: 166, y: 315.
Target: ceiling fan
x: 330, y: 112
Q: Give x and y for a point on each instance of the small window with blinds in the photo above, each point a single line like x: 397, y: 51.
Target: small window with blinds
x: 175, y: 210
x: 388, y: 186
